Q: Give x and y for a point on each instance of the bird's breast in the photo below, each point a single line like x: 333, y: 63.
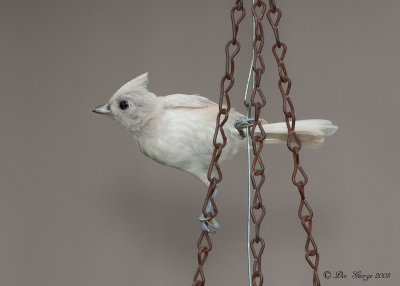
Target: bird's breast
x: 183, y: 139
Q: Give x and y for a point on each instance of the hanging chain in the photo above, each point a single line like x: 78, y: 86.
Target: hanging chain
x: 204, y: 244
x: 293, y: 142
x: 256, y: 103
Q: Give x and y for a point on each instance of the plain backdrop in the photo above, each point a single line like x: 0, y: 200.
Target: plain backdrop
x: 81, y: 205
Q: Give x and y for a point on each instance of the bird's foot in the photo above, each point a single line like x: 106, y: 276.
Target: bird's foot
x: 243, y: 123
x: 209, y: 224
x: 240, y: 124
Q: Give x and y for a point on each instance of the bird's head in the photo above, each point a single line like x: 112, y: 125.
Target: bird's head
x: 132, y: 105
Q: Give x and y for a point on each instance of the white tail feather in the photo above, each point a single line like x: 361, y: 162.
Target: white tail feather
x: 312, y: 132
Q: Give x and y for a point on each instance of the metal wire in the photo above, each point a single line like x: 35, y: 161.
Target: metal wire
x: 249, y: 188
x: 257, y: 134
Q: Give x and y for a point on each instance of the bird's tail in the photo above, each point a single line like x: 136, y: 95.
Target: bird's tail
x: 312, y: 132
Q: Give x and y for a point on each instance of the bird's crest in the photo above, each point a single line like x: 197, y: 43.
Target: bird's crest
x: 139, y: 83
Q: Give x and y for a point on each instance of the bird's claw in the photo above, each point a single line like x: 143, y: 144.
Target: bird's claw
x: 209, y: 224
x: 240, y: 124
x: 243, y: 123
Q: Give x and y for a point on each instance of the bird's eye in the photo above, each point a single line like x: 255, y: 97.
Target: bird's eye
x: 123, y: 104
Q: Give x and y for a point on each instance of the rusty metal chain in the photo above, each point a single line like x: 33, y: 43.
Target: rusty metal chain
x: 305, y: 212
x: 214, y: 175
x: 256, y: 104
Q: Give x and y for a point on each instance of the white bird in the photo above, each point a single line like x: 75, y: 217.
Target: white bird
x: 177, y: 130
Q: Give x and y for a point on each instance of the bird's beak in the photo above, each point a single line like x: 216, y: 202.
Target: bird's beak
x: 102, y: 109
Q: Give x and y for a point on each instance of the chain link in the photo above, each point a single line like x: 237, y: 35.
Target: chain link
x: 257, y: 102
x: 299, y: 176
x: 214, y: 174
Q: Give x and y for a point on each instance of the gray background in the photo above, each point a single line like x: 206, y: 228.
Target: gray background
x: 79, y: 203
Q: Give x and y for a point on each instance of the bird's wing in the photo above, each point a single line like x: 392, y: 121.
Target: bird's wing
x: 186, y: 101
x: 193, y: 101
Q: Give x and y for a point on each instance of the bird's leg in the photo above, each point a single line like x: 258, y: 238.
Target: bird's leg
x: 240, y: 124
x: 211, y: 224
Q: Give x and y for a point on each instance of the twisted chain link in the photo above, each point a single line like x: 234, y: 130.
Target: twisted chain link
x: 257, y: 102
x: 299, y: 176
x: 214, y: 174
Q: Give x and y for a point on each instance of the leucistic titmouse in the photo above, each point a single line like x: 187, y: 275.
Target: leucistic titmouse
x: 177, y: 130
